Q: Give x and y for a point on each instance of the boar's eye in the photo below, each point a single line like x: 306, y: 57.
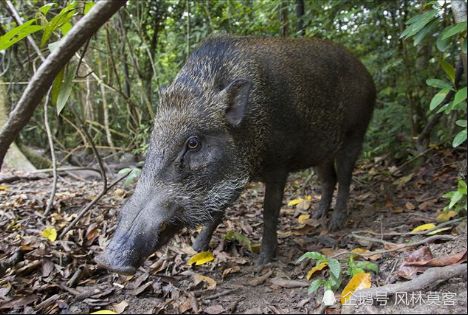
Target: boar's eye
x: 193, y: 143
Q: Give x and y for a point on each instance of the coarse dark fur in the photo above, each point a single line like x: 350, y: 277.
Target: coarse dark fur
x: 260, y: 109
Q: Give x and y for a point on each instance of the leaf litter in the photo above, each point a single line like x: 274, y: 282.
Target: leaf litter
x: 39, y: 274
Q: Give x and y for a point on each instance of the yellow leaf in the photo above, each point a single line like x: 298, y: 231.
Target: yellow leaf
x: 303, y: 218
x: 3, y: 187
x: 359, y: 251
x: 49, y: 233
x: 295, y: 202
x: 424, y: 227
x: 445, y: 216
x: 439, y: 230
x: 308, y: 198
x: 361, y: 280
x: 209, y: 281
x: 201, y: 258
x: 315, y: 269
x: 104, y: 312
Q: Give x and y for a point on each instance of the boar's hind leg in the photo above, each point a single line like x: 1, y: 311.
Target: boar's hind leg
x: 202, y: 241
x: 274, y: 188
x: 345, y: 161
x: 327, y: 175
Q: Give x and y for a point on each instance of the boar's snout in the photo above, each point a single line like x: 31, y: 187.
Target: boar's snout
x: 137, y: 236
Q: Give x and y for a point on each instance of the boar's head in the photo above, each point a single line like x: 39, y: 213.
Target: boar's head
x: 194, y: 168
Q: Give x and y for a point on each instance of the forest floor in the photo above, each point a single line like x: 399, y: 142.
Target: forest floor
x: 43, y: 276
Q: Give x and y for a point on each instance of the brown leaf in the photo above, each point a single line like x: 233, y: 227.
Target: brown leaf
x: 22, y: 301
x: 441, y: 261
x: 407, y: 271
x: 214, y: 309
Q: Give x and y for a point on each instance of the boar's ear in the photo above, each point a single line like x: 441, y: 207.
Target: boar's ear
x: 237, y: 96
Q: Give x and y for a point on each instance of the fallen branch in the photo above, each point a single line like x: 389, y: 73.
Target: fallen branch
x: 50, y: 202
x: 428, y: 279
x: 43, y: 78
x: 397, y: 247
x: 92, y: 203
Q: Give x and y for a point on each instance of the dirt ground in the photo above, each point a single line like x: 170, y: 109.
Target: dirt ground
x: 62, y: 277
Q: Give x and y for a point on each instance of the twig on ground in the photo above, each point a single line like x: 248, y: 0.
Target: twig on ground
x: 50, y: 202
x: 428, y: 279
x: 92, y: 203
x: 398, y: 247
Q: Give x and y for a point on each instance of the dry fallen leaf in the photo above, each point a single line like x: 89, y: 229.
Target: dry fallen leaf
x: 302, y: 219
x: 49, y: 233
x: 361, y: 280
x: 120, y: 307
x: 445, y: 216
x: 319, y: 267
x: 408, y: 272
x: 201, y: 278
x: 424, y: 227
x: 201, y: 258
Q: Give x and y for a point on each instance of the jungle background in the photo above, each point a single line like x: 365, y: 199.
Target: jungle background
x: 91, y: 133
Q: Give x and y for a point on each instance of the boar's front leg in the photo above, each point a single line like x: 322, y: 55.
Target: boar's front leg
x: 202, y: 241
x: 274, y: 189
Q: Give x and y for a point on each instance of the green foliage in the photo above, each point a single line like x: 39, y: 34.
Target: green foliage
x: 132, y: 177
x: 458, y: 201
x: 334, y: 279
x: 355, y: 267
x: 18, y: 33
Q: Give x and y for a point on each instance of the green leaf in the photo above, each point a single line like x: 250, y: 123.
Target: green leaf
x: 18, y: 33
x: 88, y: 6
x: 132, y: 177
x: 312, y: 255
x: 66, y: 87
x: 456, y: 197
x: 462, y: 186
x: 367, y: 265
x: 429, y: 29
x: 460, y: 96
x: 335, y: 267
x: 437, y: 83
x: 315, y: 285
x: 442, y: 44
x: 417, y: 23
x: 461, y: 123
x: 438, y: 98
x: 57, y: 22
x: 454, y: 30
x: 448, y: 69
x: 239, y: 237
x: 459, y: 138
x: 46, y: 7
x: 56, y: 85
x: 65, y: 28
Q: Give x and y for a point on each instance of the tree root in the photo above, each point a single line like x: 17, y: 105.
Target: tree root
x: 430, y: 278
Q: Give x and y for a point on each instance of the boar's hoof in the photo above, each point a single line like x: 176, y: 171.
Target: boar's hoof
x: 337, y: 220
x: 264, y: 258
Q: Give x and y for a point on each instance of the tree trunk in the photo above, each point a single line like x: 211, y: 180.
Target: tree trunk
x: 14, y: 158
x: 45, y: 75
x: 300, y: 17
x: 284, y: 19
x: 459, y: 14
